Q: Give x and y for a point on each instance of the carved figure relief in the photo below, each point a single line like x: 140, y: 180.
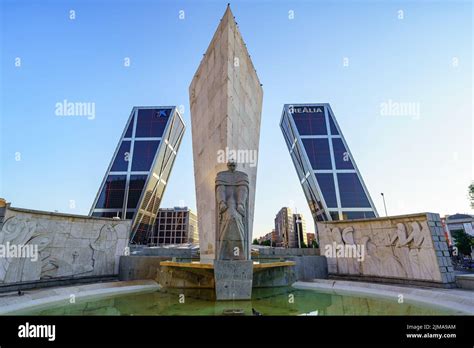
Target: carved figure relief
x: 404, y: 250
x: 59, y: 253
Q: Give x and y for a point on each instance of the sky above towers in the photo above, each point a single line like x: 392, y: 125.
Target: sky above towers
x: 398, y: 76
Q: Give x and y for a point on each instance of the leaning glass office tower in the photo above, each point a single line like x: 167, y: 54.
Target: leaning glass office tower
x: 136, y: 178
x: 327, y: 171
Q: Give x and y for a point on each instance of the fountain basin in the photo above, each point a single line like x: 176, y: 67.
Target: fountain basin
x: 266, y: 301
x: 197, y: 275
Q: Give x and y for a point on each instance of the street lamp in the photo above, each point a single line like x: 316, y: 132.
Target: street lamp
x: 383, y: 197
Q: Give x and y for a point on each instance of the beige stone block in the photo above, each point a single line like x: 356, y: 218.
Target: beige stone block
x: 396, y: 247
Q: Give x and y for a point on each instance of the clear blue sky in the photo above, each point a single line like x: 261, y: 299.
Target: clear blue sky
x: 422, y: 163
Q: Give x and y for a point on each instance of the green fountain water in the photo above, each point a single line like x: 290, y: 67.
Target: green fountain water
x: 265, y: 301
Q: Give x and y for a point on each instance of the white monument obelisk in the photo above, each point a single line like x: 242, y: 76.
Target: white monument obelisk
x: 226, y: 104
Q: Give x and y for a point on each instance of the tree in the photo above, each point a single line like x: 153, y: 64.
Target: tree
x: 266, y: 242
x: 463, y: 241
x: 255, y: 242
x: 314, y: 244
x: 471, y: 194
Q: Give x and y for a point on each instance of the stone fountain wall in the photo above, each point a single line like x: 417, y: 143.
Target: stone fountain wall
x: 407, y: 247
x: 58, y: 246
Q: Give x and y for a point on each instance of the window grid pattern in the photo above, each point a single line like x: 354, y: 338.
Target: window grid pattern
x: 139, y: 163
x: 173, y: 226
x: 331, y: 182
x: 147, y: 209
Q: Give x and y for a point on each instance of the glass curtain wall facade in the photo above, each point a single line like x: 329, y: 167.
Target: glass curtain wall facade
x: 175, y: 226
x: 327, y: 171
x: 136, y: 178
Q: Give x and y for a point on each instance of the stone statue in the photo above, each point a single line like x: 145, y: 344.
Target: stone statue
x: 232, y: 227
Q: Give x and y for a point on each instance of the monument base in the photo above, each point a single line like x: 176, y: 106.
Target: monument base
x: 197, y: 275
x: 233, y: 279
